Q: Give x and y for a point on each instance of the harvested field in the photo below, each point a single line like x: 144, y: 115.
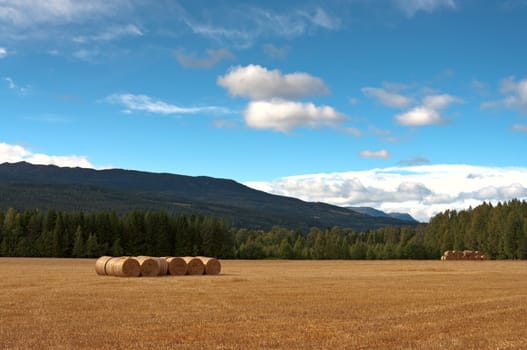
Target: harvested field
x: 64, y: 304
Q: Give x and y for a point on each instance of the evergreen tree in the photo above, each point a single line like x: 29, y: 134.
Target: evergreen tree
x: 78, y: 244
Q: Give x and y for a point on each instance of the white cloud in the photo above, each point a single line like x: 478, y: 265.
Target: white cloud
x: 16, y: 153
x: 419, y: 116
x: 387, y: 98
x: 258, y: 83
x: 411, y: 7
x: 20, y: 89
x: 515, y: 93
x: 519, y: 128
x: 86, y: 55
x: 414, y: 161
x: 36, y: 12
x: 383, y: 154
x: 212, y: 57
x: 145, y: 103
x: 322, y: 19
x: 422, y: 191
x: 275, y: 52
x: 3, y: 52
x: 241, y: 26
x: 429, y: 112
x: 112, y: 33
x: 282, y: 115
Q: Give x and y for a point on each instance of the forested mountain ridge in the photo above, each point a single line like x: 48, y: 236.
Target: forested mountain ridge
x: 26, y: 186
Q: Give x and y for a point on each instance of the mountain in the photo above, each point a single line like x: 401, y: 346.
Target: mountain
x: 378, y: 213
x: 28, y: 186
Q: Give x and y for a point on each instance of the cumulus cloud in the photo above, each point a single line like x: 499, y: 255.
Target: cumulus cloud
x: 282, y: 115
x: 16, y: 153
x: 382, y: 154
x: 429, y: 112
x: 259, y: 83
x: 3, y: 52
x: 387, y: 98
x: 422, y: 190
x: 411, y: 7
x: 145, y: 103
x: 211, y: 58
x: 271, y: 95
x: 515, y: 93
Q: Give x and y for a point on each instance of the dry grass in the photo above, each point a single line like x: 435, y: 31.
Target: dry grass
x: 64, y: 304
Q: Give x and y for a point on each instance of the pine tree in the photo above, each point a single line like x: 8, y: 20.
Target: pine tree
x: 78, y: 244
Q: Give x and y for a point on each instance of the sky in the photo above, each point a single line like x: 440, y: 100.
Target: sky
x: 412, y: 106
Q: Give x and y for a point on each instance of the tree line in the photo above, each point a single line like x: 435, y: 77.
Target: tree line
x: 499, y: 231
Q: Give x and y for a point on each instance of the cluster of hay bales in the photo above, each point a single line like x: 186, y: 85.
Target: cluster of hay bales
x: 463, y: 255
x: 135, y: 266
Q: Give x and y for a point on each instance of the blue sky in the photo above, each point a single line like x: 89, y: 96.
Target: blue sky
x: 403, y: 105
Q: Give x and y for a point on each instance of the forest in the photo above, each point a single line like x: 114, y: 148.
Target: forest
x: 500, y: 231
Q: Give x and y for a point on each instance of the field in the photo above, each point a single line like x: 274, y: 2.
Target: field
x: 63, y: 304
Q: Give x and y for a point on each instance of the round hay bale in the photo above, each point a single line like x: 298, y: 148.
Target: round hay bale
x: 176, y: 266
x: 100, y: 265
x: 212, y: 265
x: 149, y: 266
x: 123, y: 266
x: 163, y: 266
x: 194, y: 265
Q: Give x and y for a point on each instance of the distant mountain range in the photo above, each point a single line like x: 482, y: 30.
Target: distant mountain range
x: 378, y: 213
x: 28, y: 186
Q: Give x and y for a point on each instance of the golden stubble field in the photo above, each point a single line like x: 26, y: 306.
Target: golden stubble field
x: 63, y: 304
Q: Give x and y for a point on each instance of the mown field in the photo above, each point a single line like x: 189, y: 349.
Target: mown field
x: 63, y: 304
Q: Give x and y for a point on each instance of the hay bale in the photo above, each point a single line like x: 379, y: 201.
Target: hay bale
x: 194, y: 265
x: 149, y: 266
x: 176, y: 266
x: 212, y: 265
x: 123, y: 266
x: 100, y: 265
x: 163, y: 266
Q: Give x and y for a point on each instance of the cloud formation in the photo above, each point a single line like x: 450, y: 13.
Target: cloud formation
x: 422, y: 191
x: 275, y: 52
x: 211, y: 58
x: 145, y: 103
x: 258, y: 83
x: 271, y: 96
x: 387, y: 98
x: 241, y: 26
x: 283, y: 115
x: 515, y: 93
x: 16, y: 153
x: 429, y: 112
x: 36, y: 12
x: 20, y: 89
x: 3, y: 52
x: 111, y: 33
x: 411, y: 7
x: 519, y: 128
x: 382, y: 154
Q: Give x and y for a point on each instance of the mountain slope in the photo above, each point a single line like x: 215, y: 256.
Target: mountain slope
x: 25, y: 186
x: 378, y: 213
